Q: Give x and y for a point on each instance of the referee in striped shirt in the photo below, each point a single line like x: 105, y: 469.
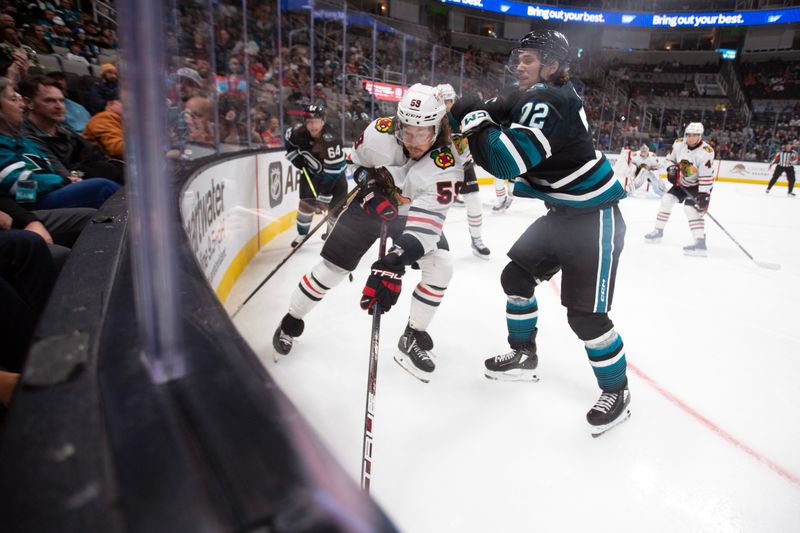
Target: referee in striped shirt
x: 784, y: 159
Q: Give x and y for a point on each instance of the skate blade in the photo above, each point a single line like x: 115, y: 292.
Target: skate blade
x: 653, y: 241
x: 406, y: 364
x: 277, y: 356
x: 596, y: 431
x: 479, y: 255
x: 696, y: 253
x: 516, y: 375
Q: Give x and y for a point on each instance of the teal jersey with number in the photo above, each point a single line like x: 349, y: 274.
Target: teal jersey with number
x: 547, y: 147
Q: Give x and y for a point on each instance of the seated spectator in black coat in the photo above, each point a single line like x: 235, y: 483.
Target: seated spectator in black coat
x: 70, y: 152
x: 27, y: 275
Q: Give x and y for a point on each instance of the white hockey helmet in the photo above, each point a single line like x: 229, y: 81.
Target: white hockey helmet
x: 694, y: 127
x: 448, y: 93
x: 644, y: 148
x: 422, y: 105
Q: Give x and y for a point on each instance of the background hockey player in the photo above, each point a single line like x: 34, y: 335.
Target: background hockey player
x: 642, y: 172
x: 784, y: 161
x: 692, y: 174
x: 413, y: 201
x: 469, y: 190
x: 539, y: 135
x: 316, y: 149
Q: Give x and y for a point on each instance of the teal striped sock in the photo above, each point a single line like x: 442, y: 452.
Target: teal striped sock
x: 521, y: 317
x: 607, y: 358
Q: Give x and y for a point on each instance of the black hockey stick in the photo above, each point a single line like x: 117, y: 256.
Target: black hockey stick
x: 347, y: 199
x: 762, y: 264
x: 372, y: 378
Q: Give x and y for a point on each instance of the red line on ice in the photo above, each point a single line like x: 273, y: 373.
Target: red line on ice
x: 702, y: 419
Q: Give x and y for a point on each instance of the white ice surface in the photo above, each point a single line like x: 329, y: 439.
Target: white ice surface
x: 713, y: 347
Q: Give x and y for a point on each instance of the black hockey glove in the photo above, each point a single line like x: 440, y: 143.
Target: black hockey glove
x: 299, y: 162
x: 701, y: 202
x: 502, y: 105
x: 465, y: 105
x: 384, y: 284
x: 306, y: 160
x: 673, y: 174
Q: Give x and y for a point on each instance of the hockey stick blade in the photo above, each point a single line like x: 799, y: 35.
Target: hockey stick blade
x: 762, y: 264
x: 770, y: 266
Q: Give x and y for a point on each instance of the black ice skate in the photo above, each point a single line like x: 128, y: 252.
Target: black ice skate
x: 297, y: 240
x: 480, y: 249
x: 517, y: 365
x: 414, y: 355
x: 610, y: 410
x: 697, y: 249
x: 654, y: 236
x: 284, y: 336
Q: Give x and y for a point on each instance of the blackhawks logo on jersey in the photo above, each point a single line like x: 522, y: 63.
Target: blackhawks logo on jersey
x: 443, y: 158
x: 385, y: 125
x: 461, y: 144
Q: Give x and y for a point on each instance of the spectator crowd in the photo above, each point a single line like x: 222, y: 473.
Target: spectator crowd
x: 61, y: 157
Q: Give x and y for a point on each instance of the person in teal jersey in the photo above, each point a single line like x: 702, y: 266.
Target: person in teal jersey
x: 537, y: 134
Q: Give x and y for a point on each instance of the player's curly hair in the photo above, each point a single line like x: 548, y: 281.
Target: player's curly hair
x: 561, y: 76
x: 443, y: 139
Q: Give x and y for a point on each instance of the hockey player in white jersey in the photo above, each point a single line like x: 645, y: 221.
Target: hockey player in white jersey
x: 469, y: 188
x: 692, y: 176
x: 641, y: 173
x: 412, y: 201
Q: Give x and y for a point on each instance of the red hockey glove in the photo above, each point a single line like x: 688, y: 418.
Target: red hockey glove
x: 375, y: 202
x: 383, y: 284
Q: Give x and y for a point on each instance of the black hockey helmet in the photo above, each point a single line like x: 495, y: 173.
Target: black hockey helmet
x: 314, y: 111
x: 552, y: 45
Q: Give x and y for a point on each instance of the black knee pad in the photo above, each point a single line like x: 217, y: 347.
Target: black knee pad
x: 588, y: 326
x: 517, y: 281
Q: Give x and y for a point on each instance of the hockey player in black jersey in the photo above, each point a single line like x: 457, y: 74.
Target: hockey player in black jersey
x: 538, y: 135
x: 316, y: 149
